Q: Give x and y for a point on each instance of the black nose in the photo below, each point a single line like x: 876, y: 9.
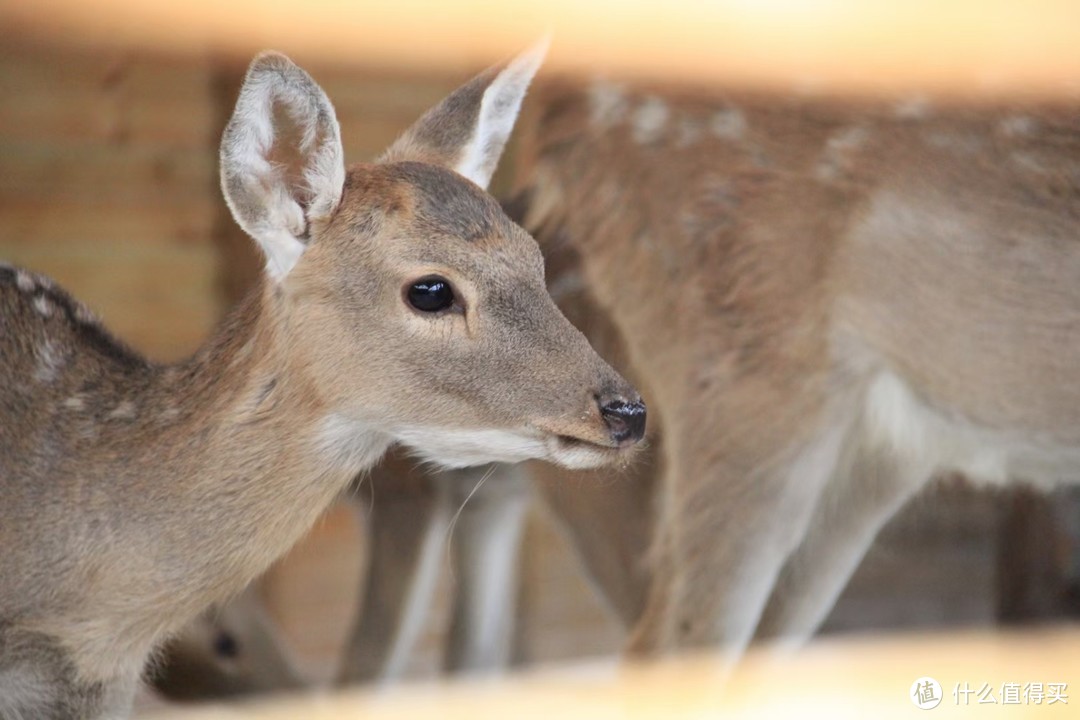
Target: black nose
x: 625, y: 420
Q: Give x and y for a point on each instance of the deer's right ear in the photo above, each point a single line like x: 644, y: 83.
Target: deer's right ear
x: 468, y: 130
x: 282, y: 164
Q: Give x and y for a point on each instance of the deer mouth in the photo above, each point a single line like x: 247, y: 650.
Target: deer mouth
x: 580, y: 454
x: 571, y: 441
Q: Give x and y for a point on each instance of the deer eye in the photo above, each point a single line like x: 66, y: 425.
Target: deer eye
x: 225, y: 646
x: 430, y: 295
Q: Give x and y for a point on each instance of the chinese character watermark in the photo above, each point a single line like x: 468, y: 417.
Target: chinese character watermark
x: 926, y: 693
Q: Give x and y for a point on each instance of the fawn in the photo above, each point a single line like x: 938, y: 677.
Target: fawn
x: 399, y: 306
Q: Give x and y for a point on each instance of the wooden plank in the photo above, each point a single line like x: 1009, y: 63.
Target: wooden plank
x: 115, y: 98
x: 106, y: 227
x: 866, y: 678
x: 101, y: 173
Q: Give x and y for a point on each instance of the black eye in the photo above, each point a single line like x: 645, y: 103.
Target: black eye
x: 432, y: 294
x: 225, y: 645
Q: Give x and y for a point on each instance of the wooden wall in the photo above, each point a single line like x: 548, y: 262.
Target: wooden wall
x: 106, y: 184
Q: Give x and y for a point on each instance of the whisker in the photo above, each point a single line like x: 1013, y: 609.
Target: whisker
x: 453, y: 521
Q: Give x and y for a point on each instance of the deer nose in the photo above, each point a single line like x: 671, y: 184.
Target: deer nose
x: 625, y: 419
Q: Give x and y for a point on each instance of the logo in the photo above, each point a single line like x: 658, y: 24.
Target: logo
x: 926, y: 693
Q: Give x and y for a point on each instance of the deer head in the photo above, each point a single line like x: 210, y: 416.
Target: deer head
x: 415, y: 307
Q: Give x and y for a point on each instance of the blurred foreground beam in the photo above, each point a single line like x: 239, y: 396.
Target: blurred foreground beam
x: 835, y: 679
x: 1028, y: 46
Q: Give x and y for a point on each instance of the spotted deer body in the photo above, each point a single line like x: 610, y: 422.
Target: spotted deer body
x: 399, y: 306
x: 828, y: 302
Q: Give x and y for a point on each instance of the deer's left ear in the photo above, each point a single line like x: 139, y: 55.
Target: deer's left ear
x: 468, y: 130
x: 281, y: 170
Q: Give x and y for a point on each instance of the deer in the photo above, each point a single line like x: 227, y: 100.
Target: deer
x: 228, y: 651
x: 399, y: 306
x: 847, y: 297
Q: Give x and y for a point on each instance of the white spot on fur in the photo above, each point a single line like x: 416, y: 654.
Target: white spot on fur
x: 916, y: 107
x: 837, y: 160
x: 75, y: 402
x: 125, y: 410
x: 43, y: 306
x: 1018, y: 126
x: 728, y: 124
x: 83, y: 315
x: 25, y: 281
x: 50, y: 362
x: 649, y: 120
x: 607, y: 104
x: 169, y: 414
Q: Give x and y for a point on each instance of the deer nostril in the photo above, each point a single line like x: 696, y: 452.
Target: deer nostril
x: 625, y: 420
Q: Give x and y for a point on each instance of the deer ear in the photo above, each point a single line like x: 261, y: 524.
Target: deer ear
x: 282, y: 164
x: 468, y: 130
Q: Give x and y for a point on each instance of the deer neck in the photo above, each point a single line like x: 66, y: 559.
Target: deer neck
x: 191, y: 479
x: 238, y: 455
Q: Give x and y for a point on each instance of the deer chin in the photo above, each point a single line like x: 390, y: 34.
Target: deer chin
x: 579, y: 454
x: 460, y: 448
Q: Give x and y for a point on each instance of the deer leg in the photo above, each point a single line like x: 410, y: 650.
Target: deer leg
x: 491, y: 504
x: 870, y: 488
x: 727, y: 524
x: 406, y: 533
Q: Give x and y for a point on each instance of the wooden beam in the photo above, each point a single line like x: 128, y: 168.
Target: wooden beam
x: 1028, y: 46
